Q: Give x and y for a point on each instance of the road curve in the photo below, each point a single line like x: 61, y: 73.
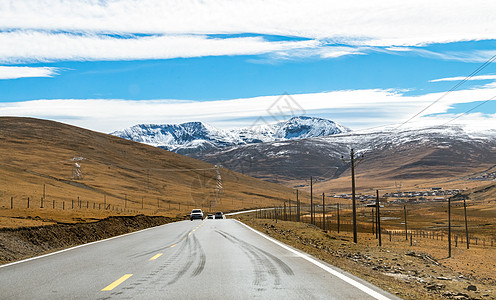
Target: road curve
x: 189, y: 260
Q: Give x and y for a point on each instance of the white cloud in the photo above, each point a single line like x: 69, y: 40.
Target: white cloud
x: 8, y: 72
x: 387, y: 22
x: 353, y: 108
x: 43, y: 46
x: 459, y: 78
x: 65, y: 29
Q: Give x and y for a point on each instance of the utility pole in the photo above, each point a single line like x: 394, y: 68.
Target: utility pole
x: 289, y: 204
x: 406, y: 228
x: 466, y: 223
x: 353, y: 162
x: 311, y: 200
x: 337, y: 207
x: 377, y: 208
x: 297, y: 207
x: 323, y: 213
x: 449, y: 227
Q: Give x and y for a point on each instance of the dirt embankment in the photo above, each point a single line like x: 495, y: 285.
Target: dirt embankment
x: 19, y: 243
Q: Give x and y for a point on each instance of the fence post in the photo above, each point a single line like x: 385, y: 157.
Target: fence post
x: 11, y: 202
x: 28, y: 202
x: 63, y: 205
x: 41, y: 206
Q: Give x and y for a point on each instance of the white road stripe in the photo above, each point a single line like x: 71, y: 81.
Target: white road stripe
x: 341, y: 276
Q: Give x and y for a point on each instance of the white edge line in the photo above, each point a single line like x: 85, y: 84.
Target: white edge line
x: 341, y: 276
x: 79, y: 246
x: 247, y: 211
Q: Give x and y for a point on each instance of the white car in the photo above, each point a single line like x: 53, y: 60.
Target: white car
x: 196, y: 214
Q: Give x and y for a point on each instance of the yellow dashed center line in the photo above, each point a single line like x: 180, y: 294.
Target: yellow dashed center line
x: 173, y: 246
x: 156, y: 256
x: 117, y: 282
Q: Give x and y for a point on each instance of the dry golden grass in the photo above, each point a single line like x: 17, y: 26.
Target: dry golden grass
x: 426, y: 274
x: 132, y: 178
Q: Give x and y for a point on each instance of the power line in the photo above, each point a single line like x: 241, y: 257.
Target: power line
x: 475, y: 72
x: 471, y: 109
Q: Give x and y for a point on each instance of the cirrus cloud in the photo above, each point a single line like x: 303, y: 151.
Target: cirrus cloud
x: 10, y: 72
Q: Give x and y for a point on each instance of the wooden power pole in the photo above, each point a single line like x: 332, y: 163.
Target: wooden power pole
x: 466, y: 224
x: 353, y: 162
x: 378, y: 221
x: 311, y: 200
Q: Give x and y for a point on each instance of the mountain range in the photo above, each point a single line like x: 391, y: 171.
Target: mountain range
x: 193, y: 137
x: 292, y: 151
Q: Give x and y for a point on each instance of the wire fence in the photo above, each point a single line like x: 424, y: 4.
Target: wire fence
x: 337, y: 218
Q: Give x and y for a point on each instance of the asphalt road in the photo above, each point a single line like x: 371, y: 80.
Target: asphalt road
x: 184, y: 260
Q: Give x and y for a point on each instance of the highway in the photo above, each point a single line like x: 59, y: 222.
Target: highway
x: 183, y: 260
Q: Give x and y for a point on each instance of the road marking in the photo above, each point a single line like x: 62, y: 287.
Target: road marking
x: 341, y: 276
x: 173, y: 246
x: 156, y: 256
x: 117, y: 282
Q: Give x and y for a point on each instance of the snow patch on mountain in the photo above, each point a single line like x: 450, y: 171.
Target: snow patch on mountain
x: 196, y: 136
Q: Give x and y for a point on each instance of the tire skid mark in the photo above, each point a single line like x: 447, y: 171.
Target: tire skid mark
x: 176, y: 264
x: 258, y: 268
x: 184, y: 267
x: 287, y: 269
x: 202, y: 258
x: 261, y: 260
x: 177, y: 238
x: 158, y: 276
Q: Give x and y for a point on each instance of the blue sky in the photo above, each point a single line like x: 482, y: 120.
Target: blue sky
x: 101, y: 65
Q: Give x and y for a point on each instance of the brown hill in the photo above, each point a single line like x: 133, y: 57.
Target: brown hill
x: 118, y: 177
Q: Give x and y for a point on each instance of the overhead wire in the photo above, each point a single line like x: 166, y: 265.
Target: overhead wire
x: 455, y: 87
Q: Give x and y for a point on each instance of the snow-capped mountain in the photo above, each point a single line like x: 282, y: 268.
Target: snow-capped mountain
x: 195, y: 136
x: 295, y: 128
x: 184, y: 138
